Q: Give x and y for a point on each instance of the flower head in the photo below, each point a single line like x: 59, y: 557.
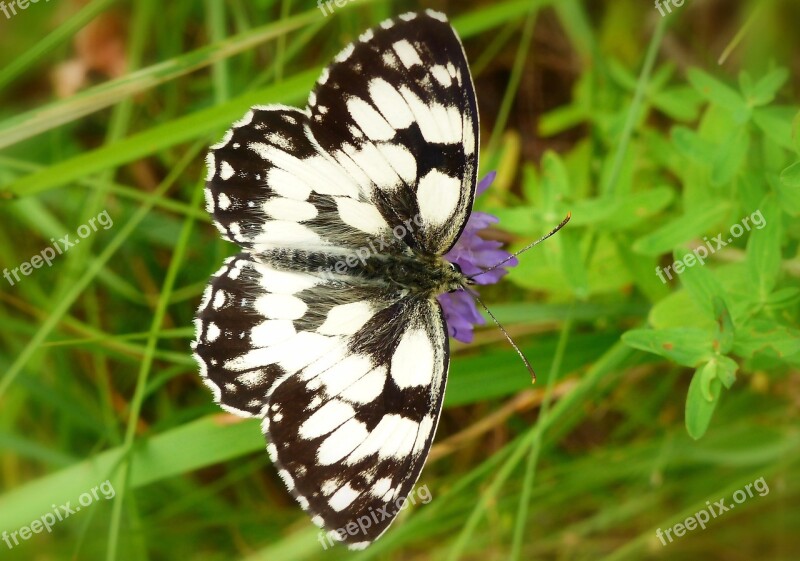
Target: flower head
x: 473, y: 254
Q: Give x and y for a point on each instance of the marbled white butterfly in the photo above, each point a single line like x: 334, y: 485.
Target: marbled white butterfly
x: 326, y: 326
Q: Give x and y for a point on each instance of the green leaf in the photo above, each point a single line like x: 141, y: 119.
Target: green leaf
x: 685, y: 346
x: 573, y: 265
x: 204, y: 442
x: 790, y: 177
x: 725, y: 330
x: 764, y: 248
x: 788, y: 189
x: 560, y: 119
x: 795, y: 133
x: 776, y: 124
x: 763, y: 336
x: 523, y: 220
x: 726, y: 370
x: 689, y: 144
x: 681, y: 103
x: 765, y: 89
x: 699, y: 282
x: 555, y: 180
x: 784, y: 297
x: 679, y: 309
x: 729, y: 157
x: 637, y: 207
x: 702, y: 399
x: 682, y: 229
x: 751, y: 188
x: 717, y: 93
x: 586, y: 212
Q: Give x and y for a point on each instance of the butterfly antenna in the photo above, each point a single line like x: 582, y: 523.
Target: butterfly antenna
x: 510, y: 340
x: 524, y: 249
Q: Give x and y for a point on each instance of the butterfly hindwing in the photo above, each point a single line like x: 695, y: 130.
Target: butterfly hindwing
x: 397, y: 110
x: 260, y: 321
x: 351, y: 431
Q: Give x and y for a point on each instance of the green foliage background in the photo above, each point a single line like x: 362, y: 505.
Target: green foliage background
x: 656, y: 133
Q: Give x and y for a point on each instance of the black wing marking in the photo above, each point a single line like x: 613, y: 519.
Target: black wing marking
x: 259, y: 322
x: 397, y: 110
x: 350, y: 432
x: 270, y: 185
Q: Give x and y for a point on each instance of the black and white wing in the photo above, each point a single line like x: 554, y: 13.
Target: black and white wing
x: 397, y: 110
x: 349, y: 379
x: 270, y: 185
x: 347, y: 374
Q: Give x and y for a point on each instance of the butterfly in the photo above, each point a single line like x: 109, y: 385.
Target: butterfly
x: 327, y: 326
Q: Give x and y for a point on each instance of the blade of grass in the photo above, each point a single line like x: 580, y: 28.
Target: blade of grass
x: 63, y: 305
x: 521, y: 519
x: 144, y: 371
x: 610, y: 361
x: 199, y: 124
x: 42, y: 119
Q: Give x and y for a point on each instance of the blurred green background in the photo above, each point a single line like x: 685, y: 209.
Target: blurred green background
x: 654, y: 399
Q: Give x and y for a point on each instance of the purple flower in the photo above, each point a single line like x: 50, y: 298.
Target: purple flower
x: 473, y: 254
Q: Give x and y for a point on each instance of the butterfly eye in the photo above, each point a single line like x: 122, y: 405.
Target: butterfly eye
x: 456, y: 268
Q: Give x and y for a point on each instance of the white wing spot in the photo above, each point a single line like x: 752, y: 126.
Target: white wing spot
x: 369, y: 120
x: 288, y: 185
x: 361, y: 216
x: 210, y: 166
x: 343, y: 498
x: 407, y: 53
x: 219, y: 299
x: 212, y: 333
x: 282, y: 208
x: 326, y: 419
x: 366, y: 389
x: 390, y: 103
x: 226, y: 170
x: 438, y: 196
x: 413, y: 360
x: 272, y: 332
x: 210, y: 204
x: 345, y: 53
x: 380, y: 487
x: 346, y: 319
x: 280, y: 306
x: 341, y: 442
x: 442, y: 76
x: 401, y: 160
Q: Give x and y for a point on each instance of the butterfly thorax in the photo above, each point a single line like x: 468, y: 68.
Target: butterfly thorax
x: 419, y: 273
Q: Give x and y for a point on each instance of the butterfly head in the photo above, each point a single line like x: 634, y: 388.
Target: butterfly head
x: 459, y: 277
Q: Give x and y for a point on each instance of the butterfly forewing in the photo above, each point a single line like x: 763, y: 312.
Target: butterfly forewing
x: 397, y: 109
x: 270, y: 185
x: 345, y: 365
